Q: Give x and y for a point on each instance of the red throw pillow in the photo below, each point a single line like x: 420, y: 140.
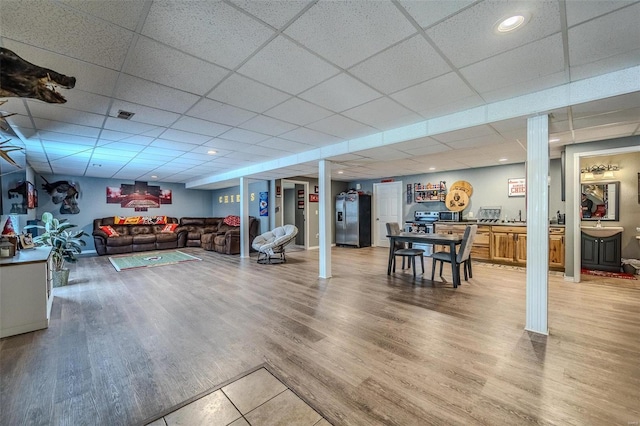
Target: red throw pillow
x: 232, y: 220
x: 169, y: 228
x: 109, y: 231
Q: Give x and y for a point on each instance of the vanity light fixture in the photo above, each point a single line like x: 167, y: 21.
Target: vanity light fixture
x: 606, y: 170
x: 511, y: 23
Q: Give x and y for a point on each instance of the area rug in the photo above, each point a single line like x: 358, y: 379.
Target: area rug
x: 150, y: 259
x: 622, y: 275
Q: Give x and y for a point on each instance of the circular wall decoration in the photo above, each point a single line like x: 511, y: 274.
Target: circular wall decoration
x: 462, y: 185
x: 456, y: 200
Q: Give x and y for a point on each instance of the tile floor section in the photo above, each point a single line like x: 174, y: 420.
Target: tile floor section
x: 257, y: 399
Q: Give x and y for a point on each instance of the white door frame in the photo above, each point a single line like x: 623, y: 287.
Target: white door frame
x: 374, y: 219
x: 306, y: 207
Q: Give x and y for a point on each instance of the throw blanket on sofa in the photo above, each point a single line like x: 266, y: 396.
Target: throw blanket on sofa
x: 140, y: 220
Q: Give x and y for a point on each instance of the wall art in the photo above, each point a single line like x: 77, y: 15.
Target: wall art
x: 140, y: 196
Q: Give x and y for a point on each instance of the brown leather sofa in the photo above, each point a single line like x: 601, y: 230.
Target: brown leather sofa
x: 211, y: 233
x: 133, y: 238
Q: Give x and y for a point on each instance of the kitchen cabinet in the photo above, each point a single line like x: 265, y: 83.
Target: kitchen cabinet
x: 25, y: 291
x: 429, y: 192
x: 603, y: 254
x: 556, y: 247
x: 509, y: 244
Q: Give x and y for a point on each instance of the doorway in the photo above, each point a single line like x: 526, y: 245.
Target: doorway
x: 295, y: 208
x: 387, y: 207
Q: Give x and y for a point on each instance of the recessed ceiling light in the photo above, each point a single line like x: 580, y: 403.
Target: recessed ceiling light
x: 432, y: 168
x: 211, y: 152
x: 554, y: 140
x: 340, y: 172
x: 511, y: 23
x: 502, y: 160
x: 154, y: 177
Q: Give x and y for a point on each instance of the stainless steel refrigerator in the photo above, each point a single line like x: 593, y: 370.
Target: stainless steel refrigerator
x: 353, y: 219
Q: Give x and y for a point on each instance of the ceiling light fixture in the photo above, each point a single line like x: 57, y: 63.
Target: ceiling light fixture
x: 432, y: 168
x: 502, y: 160
x: 554, y: 140
x: 340, y: 172
x: 211, y: 152
x: 512, y: 23
x: 154, y: 177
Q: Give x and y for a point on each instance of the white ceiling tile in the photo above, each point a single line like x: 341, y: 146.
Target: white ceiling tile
x: 216, y: 32
x: 410, y: 62
x: 386, y: 154
x: 172, y: 145
x: 464, y: 43
x: 427, y: 13
x: 203, y: 127
x: 579, y: 11
x: 110, y: 135
x: 267, y: 125
x: 347, y: 32
x: 383, y: 114
x: 245, y: 136
x: 340, y: 93
x: 432, y: 96
x: 62, y: 114
x: 161, y: 152
x: 144, y: 114
x: 144, y: 92
x: 298, y: 111
x: 285, y: 145
x: 127, y: 126
x: 429, y: 150
x: 463, y: 134
x: 121, y: 146
x: 111, y: 154
x: 530, y: 62
x: 69, y: 130
x: 342, y: 127
x: 604, y: 106
x: 207, y: 109
x: 243, y: 92
x: 275, y: 13
x: 242, y: 157
x: 288, y: 67
x: 519, y: 89
x: 488, y: 140
x: 161, y: 64
x: 605, y: 132
x: 620, y: 30
x: 138, y: 140
x: 225, y: 144
x: 310, y: 137
x: 57, y: 28
x: 88, y: 102
x: 263, y: 151
x: 416, y: 143
x: 124, y: 14
x: 631, y: 115
x: 186, y: 137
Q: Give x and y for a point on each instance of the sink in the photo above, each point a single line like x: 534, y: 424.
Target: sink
x: 603, y: 232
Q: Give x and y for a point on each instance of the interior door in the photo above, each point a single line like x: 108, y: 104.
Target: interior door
x: 301, y: 205
x: 388, y: 208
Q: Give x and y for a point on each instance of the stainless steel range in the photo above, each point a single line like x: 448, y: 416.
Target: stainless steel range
x: 422, y: 224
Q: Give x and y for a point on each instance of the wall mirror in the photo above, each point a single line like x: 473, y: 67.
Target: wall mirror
x: 601, y: 201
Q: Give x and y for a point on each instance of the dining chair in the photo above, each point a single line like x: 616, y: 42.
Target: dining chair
x: 463, y: 257
x: 401, y: 249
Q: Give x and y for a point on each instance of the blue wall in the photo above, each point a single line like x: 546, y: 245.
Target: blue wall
x: 93, y: 202
x: 230, y: 206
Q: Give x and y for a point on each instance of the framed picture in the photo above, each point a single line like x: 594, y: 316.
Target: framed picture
x: 31, y: 196
x: 300, y: 193
x: 314, y: 198
x: 26, y: 241
x: 301, y: 204
x: 517, y: 187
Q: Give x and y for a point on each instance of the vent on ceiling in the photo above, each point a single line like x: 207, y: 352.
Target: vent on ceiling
x: 125, y: 115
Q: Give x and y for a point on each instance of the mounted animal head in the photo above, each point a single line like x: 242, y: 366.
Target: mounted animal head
x: 22, y: 79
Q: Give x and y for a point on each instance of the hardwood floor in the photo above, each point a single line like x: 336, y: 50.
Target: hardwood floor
x: 363, y: 348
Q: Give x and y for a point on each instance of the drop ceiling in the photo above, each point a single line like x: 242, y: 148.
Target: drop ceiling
x: 259, y: 81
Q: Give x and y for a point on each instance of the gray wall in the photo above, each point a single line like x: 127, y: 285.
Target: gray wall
x: 232, y: 206
x: 93, y: 202
x: 489, y: 189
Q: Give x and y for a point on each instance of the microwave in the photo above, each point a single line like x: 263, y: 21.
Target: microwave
x: 447, y: 216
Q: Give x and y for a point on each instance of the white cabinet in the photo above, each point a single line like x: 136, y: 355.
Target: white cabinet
x: 25, y: 291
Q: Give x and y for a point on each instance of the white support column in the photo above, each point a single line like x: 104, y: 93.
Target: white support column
x: 537, y: 224
x: 244, y: 217
x: 325, y: 217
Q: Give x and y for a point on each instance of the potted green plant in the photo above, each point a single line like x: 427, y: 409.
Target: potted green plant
x: 65, y: 243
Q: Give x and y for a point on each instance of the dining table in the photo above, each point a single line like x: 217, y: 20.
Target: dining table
x: 450, y: 240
